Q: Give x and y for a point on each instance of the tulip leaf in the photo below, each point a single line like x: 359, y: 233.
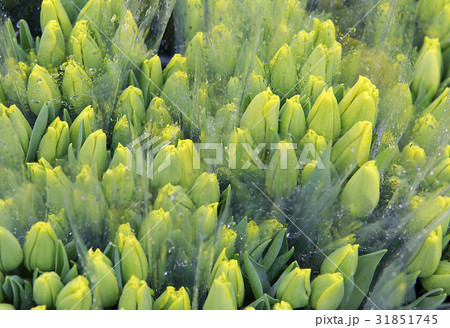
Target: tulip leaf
x: 112, y: 252
x: 241, y: 231
x: 132, y: 80
x: 365, y: 270
x: 279, y: 263
x: 384, y: 160
x: 339, y: 92
x: 256, y: 275
x: 71, y: 155
x: 445, y: 242
x: 428, y: 301
x: 40, y: 126
x: 66, y: 117
x: 273, y: 289
x: 26, y: 296
x: 72, y: 274
x: 257, y: 253
x: 61, y: 260
x: 274, y: 249
x: 12, y: 288
x: 81, y: 135
x: 264, y: 303
x: 51, y: 113
x: 26, y: 39
x: 38, y: 43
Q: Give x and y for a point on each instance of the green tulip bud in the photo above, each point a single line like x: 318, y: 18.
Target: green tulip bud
x: 174, y: 199
x: 327, y: 291
x: 256, y: 84
x: 362, y: 192
x: 281, y: 306
x: 412, y: 156
x: 223, y: 54
x: 427, y: 259
x: 166, y: 167
x: 292, y: 120
x: 46, y: 288
x: 150, y: 77
x: 40, y: 247
x: 57, y: 184
x: 177, y: 63
x: 52, y: 47
x: 158, y: 115
x: 424, y: 131
x: 42, y: 88
x: 133, y: 259
x: 238, y: 157
x: 127, y: 41
x: 60, y: 224
x: 136, y: 295
x: 427, y: 76
x: 121, y: 132
x: 223, y: 11
x: 353, y: 149
x: 122, y: 155
x: 325, y: 32
x: 282, y: 173
x: 205, y: 219
x: 334, y: 57
x: 206, y: 189
x: 232, y: 272
x: 87, y: 116
x: 269, y: 229
x: 7, y: 307
x: 427, y: 10
x: 253, y: 236
x: 173, y: 299
x: 10, y: 251
x: 93, y: 151
x: 283, y: 75
x: 76, y: 295
x: 438, y: 107
x: 302, y: 46
x: 221, y: 295
x: 307, y: 172
x: 440, y: 278
x: 234, y: 88
x: 192, y: 12
x: 226, y: 240
x: 312, y: 138
x: 55, y: 142
x: 316, y: 64
x: 119, y: 185
x: 360, y: 103
x: 295, y: 288
x: 106, y: 290
x: 343, y: 260
x: 170, y: 133
x: 175, y: 94
x: 54, y: 10
x: 313, y: 88
x: 14, y: 125
x: 261, y: 117
x: 187, y: 155
x: 324, y: 117
x: 131, y: 103
x: 76, y: 86
x: 14, y: 82
x: 153, y: 231
x: 83, y: 44
x: 440, y: 175
x: 195, y: 56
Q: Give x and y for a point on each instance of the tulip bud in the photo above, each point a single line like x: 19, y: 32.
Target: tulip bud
x: 122, y: 132
x: 52, y: 47
x: 136, y: 295
x: 46, y: 288
x: 427, y: 259
x: 307, y: 172
x: 158, y: 115
x: 83, y: 45
x: 205, y: 219
x: 133, y: 259
x: 7, y: 307
x: 76, y: 86
x: 281, y: 306
x: 166, y: 167
x: 362, y: 192
x: 325, y: 32
x: 313, y: 88
x: 295, y: 288
x: 76, y: 295
x: 324, y: 117
x: 312, y: 138
x: 438, y: 108
x: 153, y: 231
x: 177, y: 63
x: 261, y: 117
x: 192, y: 17
x: 10, y: 251
x: 302, y: 46
x: 206, y: 189
x: 150, y: 77
x: 292, y: 120
x: 282, y: 173
x: 57, y: 184
x: 269, y: 229
x: 316, y: 64
x: 42, y: 88
x: 427, y: 10
x: 122, y: 155
x: 40, y: 247
x: 232, y: 272
x: 173, y: 299
x: 176, y: 96
x: 353, y: 149
x: 253, y: 236
x: 87, y: 116
x: 16, y: 127
x: 119, y: 186
x: 440, y: 278
x: 256, y: 84
x: 223, y: 54
x: 127, y: 41
x: 188, y: 155
x: 334, y: 57
x: 327, y: 291
x: 226, y: 240
x: 55, y: 142
x: 221, y: 295
x: 106, y: 290
x: 131, y: 104
x: 174, y: 199
x: 93, y: 151
x: 360, y: 103
x: 412, y: 156
x: 424, y: 131
x: 54, y: 10
x: 428, y: 72
x: 195, y: 56
x: 239, y: 141
x: 283, y: 75
x: 60, y: 225
x: 343, y: 260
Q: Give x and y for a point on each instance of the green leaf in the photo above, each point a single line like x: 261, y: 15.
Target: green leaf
x: 26, y: 39
x: 61, y: 261
x: 256, y: 275
x: 384, y: 160
x: 26, y: 296
x: 274, y: 249
x: 279, y: 263
x: 132, y: 80
x: 72, y: 274
x: 40, y: 126
x: 81, y: 135
x: 273, y: 289
x: 66, y: 117
x: 428, y: 301
x: 339, y: 92
x: 258, y: 251
x: 265, y: 302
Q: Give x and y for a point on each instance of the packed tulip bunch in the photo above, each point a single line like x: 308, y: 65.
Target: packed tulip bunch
x: 273, y: 162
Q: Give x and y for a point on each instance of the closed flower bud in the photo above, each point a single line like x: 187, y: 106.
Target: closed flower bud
x: 253, y: 236
x: 131, y: 103
x: 353, y: 149
x: 54, y: 10
x: 238, y: 144
x: 10, y: 251
x: 232, y: 274
x: 292, y: 120
x: 316, y: 64
x: 191, y: 12
x: 188, y: 157
x: 327, y: 291
x: 221, y: 295
x: 295, y: 288
x: 93, y: 152
x: 424, y: 131
x: 312, y: 138
x: 119, y: 186
x: 40, y: 247
x: 333, y: 69
x: 122, y: 132
x: 42, y: 88
x: 106, y: 291
x: 269, y: 228
x: 226, y: 240
x: 440, y: 278
x: 281, y: 306
x: 122, y: 155
x: 76, y: 87
x: 360, y: 103
x: 205, y: 220
x: 83, y: 45
x: 302, y: 45
x: 46, y: 288
x: 427, y: 259
x: 6, y: 307
x: 362, y: 192
x: 37, y: 173
x: 166, y: 167
x: 174, y: 199
x: 307, y: 172
x: 313, y: 88
x: 87, y: 116
x: 57, y: 184
x: 136, y: 295
x: 325, y: 32
x: 324, y: 117
x: 223, y: 54
x: 195, y: 56
x: 52, y: 47
x: 133, y: 259
x: 153, y: 231
x: 158, y: 115
x: 256, y: 84
x: 428, y: 72
x: 283, y: 74
x: 428, y: 9
x: 412, y: 157
x: 282, y: 172
x: 127, y: 41
x: 55, y: 141
x: 261, y: 117
x: 173, y: 299
x: 176, y: 96
x: 76, y: 295
x: 343, y: 260
x: 150, y: 77
x: 177, y: 63
x: 16, y: 127
x: 206, y: 189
